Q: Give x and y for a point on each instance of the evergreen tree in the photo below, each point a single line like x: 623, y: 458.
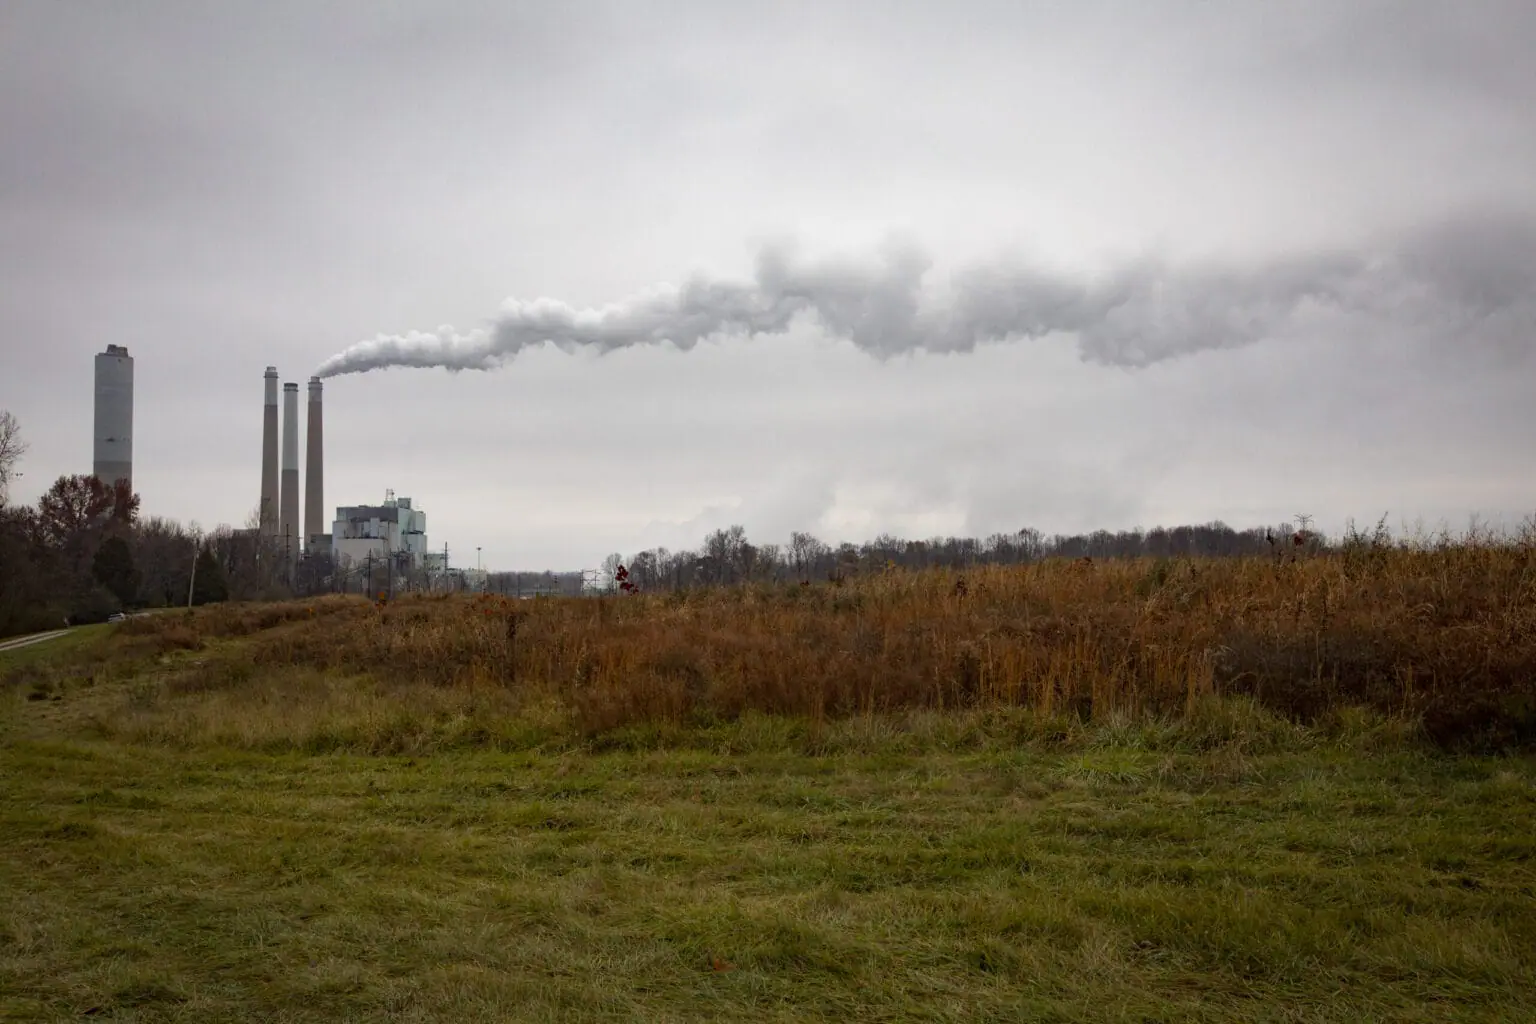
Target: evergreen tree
x: 211, y: 585
x: 113, y: 568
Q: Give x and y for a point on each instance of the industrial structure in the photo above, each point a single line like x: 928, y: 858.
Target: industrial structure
x: 381, y: 547
x: 316, y: 539
x: 267, y: 511
x: 393, y: 533
x: 288, y: 487
x: 278, y: 512
x: 388, y: 540
x: 112, y: 458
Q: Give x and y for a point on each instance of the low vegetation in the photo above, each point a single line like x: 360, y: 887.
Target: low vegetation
x: 1240, y: 789
x: 1445, y: 639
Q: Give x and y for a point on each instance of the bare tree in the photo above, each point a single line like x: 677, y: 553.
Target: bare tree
x: 12, y: 448
x: 770, y: 560
x: 611, y: 566
x: 723, y: 551
x: 804, y: 550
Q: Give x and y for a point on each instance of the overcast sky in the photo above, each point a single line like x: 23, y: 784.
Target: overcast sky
x: 1263, y: 259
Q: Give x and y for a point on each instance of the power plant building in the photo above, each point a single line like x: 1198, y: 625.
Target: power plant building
x: 391, y: 532
x: 112, y: 457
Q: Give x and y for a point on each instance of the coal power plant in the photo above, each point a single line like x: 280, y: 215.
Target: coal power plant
x: 371, y: 548
x: 280, y: 504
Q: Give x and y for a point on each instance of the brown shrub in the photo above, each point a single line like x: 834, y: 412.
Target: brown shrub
x: 179, y: 637
x: 1447, y: 637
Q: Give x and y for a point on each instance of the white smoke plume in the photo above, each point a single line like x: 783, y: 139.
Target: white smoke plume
x: 1475, y: 273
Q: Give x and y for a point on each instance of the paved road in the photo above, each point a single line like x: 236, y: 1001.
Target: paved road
x: 27, y: 641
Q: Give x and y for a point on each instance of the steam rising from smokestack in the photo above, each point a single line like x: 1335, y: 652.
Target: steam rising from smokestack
x: 1474, y: 272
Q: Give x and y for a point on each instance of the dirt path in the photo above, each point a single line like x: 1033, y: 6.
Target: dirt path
x: 27, y: 641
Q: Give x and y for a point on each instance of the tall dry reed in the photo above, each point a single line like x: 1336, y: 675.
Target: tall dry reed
x: 1446, y: 636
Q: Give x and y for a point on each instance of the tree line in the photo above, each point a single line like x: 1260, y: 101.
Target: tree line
x: 84, y: 552
x: 728, y: 557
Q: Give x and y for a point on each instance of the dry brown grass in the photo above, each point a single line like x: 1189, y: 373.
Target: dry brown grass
x: 1444, y: 637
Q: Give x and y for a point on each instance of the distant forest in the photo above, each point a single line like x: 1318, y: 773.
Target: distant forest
x: 728, y: 557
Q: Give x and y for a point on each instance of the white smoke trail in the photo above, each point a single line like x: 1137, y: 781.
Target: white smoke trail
x: 1470, y: 272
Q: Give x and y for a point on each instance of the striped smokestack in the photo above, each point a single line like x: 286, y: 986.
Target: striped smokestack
x: 267, y: 510
x: 314, y: 471
x: 288, y: 505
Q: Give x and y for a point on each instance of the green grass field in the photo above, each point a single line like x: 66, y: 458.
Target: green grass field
x: 52, y: 650
x: 964, y: 866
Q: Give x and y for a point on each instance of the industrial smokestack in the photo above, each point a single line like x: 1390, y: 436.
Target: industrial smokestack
x: 288, y: 514
x: 267, y: 511
x: 113, y: 454
x: 314, y: 470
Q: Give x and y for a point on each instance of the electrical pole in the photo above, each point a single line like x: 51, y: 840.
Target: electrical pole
x: 193, y: 581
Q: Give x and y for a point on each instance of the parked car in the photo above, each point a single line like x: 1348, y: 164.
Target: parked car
x: 117, y: 617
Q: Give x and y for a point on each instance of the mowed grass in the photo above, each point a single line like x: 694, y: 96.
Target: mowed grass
x: 921, y: 869
x: 76, y: 639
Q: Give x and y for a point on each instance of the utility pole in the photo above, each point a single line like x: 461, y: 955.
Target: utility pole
x: 193, y: 581
x: 370, y: 575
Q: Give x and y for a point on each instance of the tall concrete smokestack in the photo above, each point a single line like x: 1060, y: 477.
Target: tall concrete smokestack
x: 267, y: 511
x: 113, y: 455
x: 288, y: 506
x: 314, y: 470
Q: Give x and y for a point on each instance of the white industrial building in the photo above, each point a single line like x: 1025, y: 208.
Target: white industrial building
x: 392, y: 532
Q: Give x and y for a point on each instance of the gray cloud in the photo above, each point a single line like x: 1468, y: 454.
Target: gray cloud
x: 1461, y: 274
x: 223, y: 187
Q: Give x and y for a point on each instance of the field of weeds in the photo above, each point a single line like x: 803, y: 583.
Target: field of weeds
x: 1202, y: 791
x: 1442, y: 640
